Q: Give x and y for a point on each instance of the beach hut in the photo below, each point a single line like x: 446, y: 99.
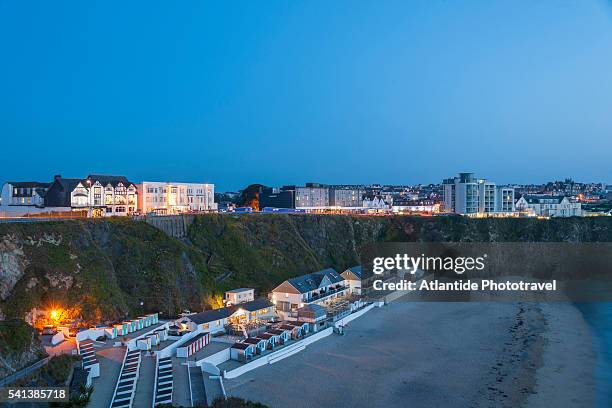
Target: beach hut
x: 259, y: 343
x: 126, y: 327
x: 144, y: 343
x: 153, y: 317
x: 131, y: 326
x: 154, y: 338
x: 162, y: 333
x: 283, y: 335
x: 120, y: 329
x: 242, y: 351
x: 143, y: 321
x: 296, y: 330
x: 193, y: 345
x: 305, y: 327
x: 271, y: 340
x: 110, y: 332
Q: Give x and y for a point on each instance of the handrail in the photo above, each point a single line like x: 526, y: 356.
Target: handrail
x: 24, y: 371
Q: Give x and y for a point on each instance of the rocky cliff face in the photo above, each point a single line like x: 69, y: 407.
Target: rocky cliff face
x: 105, y: 269
x: 19, y: 346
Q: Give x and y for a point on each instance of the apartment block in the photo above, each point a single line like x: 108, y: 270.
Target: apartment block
x: 469, y: 195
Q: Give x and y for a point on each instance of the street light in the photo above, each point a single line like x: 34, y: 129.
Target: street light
x: 89, y: 207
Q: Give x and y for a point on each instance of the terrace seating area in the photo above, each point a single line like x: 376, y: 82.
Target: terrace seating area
x: 126, y: 384
x: 325, y: 293
x: 248, y: 329
x: 164, y: 382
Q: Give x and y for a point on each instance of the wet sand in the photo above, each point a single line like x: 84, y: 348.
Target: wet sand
x: 437, y: 354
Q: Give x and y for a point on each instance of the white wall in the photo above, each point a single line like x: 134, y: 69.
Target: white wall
x: 353, y: 316
x: 277, y: 355
x: 217, y: 358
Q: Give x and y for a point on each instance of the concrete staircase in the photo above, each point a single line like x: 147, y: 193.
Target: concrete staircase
x: 164, y: 382
x: 126, y: 384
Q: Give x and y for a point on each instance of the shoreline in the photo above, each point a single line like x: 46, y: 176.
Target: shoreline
x: 567, y: 374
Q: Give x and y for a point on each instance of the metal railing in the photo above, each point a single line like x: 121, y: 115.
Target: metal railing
x: 24, y: 372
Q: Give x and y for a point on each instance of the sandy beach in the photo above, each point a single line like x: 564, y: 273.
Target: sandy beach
x: 438, y: 355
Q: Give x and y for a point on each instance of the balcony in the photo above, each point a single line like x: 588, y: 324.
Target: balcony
x: 324, y: 295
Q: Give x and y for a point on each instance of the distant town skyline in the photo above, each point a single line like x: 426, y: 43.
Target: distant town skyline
x: 292, y: 92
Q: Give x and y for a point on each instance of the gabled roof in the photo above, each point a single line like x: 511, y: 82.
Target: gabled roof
x: 539, y: 199
x: 59, y: 191
x: 312, y: 281
x: 107, y: 179
x: 28, y: 184
x: 252, y: 306
x: 242, y: 346
x: 253, y: 340
x: 312, y: 309
x: 355, y: 270
x: 278, y: 332
x: 208, y: 316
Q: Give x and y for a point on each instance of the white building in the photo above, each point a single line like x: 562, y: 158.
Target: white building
x: 352, y: 276
x: 548, y: 206
x: 415, y: 206
x: 20, y: 198
x: 376, y: 202
x: 468, y: 195
x: 216, y: 320
x: 236, y: 296
x: 320, y: 288
x: 175, y: 198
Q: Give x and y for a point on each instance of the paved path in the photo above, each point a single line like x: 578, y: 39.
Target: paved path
x: 180, y: 393
x: 198, y: 393
x: 104, y: 386
x: 146, y: 379
x: 213, y: 389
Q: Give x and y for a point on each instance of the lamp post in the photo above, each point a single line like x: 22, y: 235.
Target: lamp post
x: 89, y: 207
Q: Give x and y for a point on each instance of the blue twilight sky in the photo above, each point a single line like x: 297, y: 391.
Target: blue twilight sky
x: 278, y: 92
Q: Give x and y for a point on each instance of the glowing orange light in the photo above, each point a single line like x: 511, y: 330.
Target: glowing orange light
x: 54, y: 314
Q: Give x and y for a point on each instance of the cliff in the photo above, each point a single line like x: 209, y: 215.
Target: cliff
x: 106, y: 269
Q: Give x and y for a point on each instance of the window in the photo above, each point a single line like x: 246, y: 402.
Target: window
x: 205, y: 326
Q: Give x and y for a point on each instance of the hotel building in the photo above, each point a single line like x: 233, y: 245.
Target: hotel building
x: 98, y: 195
x: 319, y: 288
x: 174, y: 198
x: 548, y: 206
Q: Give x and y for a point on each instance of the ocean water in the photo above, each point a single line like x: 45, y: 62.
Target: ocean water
x: 599, y: 317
